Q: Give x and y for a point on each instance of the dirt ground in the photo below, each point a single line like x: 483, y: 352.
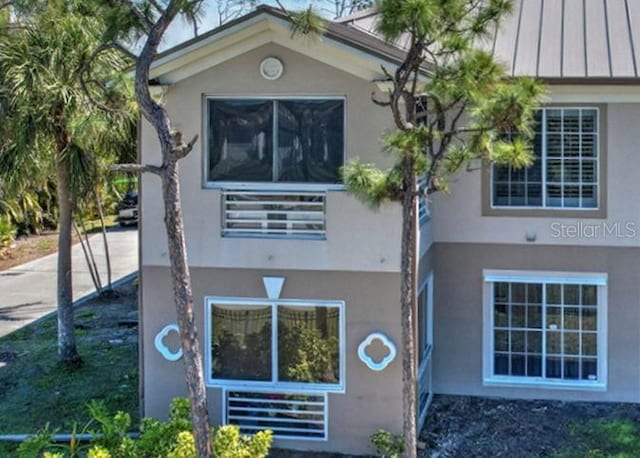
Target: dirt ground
x: 27, y: 249
x: 460, y: 426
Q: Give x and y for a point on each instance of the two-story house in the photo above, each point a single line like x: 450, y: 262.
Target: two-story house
x: 529, y: 279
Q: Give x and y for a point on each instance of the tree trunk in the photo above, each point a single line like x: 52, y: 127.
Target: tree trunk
x: 67, y: 351
x: 184, y: 310
x: 408, y: 273
x: 105, y: 242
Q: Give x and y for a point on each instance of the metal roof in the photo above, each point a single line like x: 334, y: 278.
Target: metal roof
x: 560, y: 39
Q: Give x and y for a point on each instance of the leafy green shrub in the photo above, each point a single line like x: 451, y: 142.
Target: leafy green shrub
x: 602, y: 438
x: 171, y: 439
x: 7, y: 232
x: 388, y: 445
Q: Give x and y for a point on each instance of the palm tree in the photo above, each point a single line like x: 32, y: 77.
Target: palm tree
x: 48, y: 119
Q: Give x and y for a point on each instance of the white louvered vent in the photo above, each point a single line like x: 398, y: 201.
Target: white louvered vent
x: 288, y: 415
x: 274, y: 214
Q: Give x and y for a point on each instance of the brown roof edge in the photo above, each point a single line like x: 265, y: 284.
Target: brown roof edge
x: 592, y: 81
x: 343, y: 33
x: 358, y: 15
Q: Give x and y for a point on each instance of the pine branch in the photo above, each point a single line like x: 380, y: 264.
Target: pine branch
x: 136, y: 168
x: 144, y: 20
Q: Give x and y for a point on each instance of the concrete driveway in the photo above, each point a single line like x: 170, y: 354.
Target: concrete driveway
x: 28, y: 292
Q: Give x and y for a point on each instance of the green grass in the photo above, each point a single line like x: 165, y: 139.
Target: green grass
x: 35, y: 389
x: 604, y: 438
x: 93, y: 225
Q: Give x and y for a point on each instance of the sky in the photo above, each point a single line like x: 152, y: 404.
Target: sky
x: 180, y: 31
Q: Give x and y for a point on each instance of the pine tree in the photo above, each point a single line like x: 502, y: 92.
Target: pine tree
x: 453, y: 106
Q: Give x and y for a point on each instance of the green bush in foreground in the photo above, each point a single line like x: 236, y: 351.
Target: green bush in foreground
x: 388, y: 445
x: 171, y: 439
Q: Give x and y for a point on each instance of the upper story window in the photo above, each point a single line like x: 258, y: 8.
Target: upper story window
x: 566, y: 167
x: 282, y: 140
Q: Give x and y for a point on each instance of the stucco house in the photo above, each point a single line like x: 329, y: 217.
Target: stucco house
x: 529, y: 279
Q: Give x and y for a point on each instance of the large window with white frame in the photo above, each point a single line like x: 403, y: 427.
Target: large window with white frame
x: 275, y: 140
x: 545, y: 328
x: 284, y: 343
x: 565, y: 170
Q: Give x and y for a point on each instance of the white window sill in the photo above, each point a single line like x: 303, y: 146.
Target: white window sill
x: 269, y: 387
x: 269, y: 186
x: 526, y: 382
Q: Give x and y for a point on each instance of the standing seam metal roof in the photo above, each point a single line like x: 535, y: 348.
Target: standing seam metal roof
x: 560, y: 39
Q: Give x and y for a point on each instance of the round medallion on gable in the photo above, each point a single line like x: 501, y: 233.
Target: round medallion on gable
x: 271, y: 68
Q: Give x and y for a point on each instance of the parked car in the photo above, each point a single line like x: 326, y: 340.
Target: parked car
x: 128, y: 209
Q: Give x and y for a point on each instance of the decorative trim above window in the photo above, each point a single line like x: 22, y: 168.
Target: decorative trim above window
x: 568, y: 177
x: 546, y: 329
x: 271, y: 343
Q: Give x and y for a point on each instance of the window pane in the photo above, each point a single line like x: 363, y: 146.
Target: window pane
x: 589, y: 121
x: 241, y: 337
x: 501, y: 341
x: 589, y: 344
x: 590, y: 369
x: 534, y: 317
x: 308, y: 344
x: 517, y: 365
x: 571, y: 368
x: 554, y: 367
x: 500, y: 318
x: 556, y: 330
x: 310, y: 140
x: 534, y: 365
x: 240, y: 140
x: 501, y: 364
x: 517, y: 341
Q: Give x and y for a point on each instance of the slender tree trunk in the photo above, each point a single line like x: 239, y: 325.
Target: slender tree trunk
x: 105, y: 242
x: 184, y: 309
x: 67, y: 351
x: 408, y: 273
x: 91, y: 267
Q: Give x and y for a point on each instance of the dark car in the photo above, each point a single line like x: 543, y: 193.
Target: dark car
x: 128, y: 209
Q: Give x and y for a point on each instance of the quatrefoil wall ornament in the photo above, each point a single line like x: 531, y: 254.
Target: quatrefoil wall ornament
x: 368, y: 360
x: 162, y: 347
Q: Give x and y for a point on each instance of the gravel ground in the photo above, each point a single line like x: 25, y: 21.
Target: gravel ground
x: 470, y: 427
x: 460, y: 426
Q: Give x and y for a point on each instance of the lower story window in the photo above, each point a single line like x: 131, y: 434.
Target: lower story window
x: 547, y: 329
x: 295, y: 344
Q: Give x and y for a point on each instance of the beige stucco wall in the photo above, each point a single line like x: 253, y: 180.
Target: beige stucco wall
x: 458, y: 324
x: 357, y: 238
x: 372, y: 399
x: 459, y: 214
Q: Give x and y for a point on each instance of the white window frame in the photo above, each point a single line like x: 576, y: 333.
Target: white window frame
x: 600, y: 280
x: 543, y: 158
x: 427, y: 361
x: 274, y: 384
x: 267, y: 185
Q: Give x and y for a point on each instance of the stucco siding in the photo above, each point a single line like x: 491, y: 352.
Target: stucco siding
x: 458, y: 322
x: 358, y: 239
x: 458, y: 215
x: 372, y: 400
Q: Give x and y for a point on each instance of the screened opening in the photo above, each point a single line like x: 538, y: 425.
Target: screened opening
x: 284, y: 141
